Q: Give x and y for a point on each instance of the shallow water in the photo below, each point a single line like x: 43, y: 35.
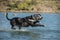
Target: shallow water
x: 51, y: 31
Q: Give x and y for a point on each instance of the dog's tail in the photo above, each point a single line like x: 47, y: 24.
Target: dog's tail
x: 7, y: 16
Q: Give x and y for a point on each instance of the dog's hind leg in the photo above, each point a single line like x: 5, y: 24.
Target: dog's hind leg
x: 12, y: 24
x: 12, y: 27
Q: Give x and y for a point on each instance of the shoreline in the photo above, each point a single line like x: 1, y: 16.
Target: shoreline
x: 33, y: 11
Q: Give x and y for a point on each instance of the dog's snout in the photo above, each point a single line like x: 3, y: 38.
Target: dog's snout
x: 40, y: 17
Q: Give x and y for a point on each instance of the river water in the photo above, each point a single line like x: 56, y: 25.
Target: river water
x: 51, y: 31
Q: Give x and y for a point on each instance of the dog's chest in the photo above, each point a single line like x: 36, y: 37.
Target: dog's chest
x: 31, y: 20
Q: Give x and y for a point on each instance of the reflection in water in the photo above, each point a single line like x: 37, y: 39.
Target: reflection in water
x: 35, y: 35
x: 19, y: 35
x: 24, y: 35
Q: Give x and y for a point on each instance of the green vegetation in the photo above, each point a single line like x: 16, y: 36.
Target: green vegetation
x: 29, y: 5
x: 12, y: 5
x: 22, y: 6
x: 25, y: 5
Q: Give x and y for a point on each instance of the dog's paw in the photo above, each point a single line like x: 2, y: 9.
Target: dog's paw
x: 43, y: 25
x: 13, y: 28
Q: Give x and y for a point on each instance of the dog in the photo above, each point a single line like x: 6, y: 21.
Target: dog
x: 31, y: 20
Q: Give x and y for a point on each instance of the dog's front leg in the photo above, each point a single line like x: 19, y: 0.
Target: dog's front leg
x: 41, y: 25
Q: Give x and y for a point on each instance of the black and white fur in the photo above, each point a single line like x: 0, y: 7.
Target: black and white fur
x: 26, y: 21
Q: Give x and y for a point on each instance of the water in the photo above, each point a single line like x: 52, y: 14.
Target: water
x: 51, y: 31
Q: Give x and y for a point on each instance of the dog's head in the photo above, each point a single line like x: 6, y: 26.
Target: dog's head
x: 37, y: 17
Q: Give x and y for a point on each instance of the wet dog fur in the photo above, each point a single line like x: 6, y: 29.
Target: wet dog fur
x: 31, y: 20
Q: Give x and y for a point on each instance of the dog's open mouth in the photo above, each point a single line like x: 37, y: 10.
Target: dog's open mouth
x: 37, y: 17
x: 40, y: 18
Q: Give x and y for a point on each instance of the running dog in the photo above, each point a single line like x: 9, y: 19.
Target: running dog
x: 32, y: 20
